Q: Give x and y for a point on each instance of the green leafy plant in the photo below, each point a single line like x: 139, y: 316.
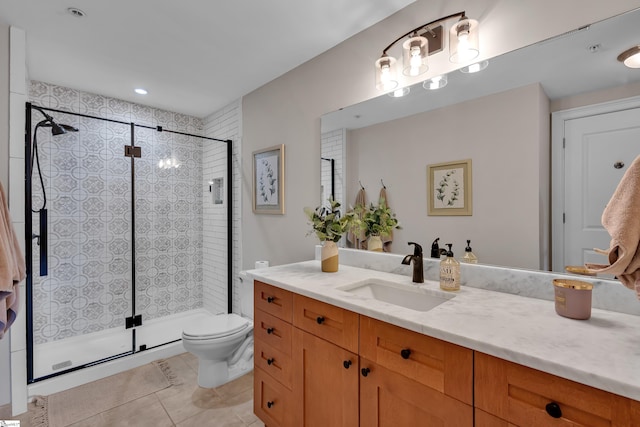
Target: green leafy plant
x: 377, y: 220
x: 328, y: 223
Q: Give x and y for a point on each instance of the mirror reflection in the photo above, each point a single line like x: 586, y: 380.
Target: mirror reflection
x: 500, y: 119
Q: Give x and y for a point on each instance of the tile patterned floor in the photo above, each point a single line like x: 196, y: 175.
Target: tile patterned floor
x: 185, y: 405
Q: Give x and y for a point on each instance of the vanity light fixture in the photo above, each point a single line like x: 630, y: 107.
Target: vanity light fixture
x: 437, y: 82
x: 140, y: 91
x: 426, y: 40
x: 474, y: 68
x: 631, y: 57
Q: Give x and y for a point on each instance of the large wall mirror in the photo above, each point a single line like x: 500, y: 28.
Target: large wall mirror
x: 500, y: 119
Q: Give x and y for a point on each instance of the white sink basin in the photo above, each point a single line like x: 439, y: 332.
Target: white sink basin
x: 406, y: 296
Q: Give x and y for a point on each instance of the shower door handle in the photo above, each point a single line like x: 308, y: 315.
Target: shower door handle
x: 43, y: 243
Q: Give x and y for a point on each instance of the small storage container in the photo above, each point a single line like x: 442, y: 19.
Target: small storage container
x: 573, y: 298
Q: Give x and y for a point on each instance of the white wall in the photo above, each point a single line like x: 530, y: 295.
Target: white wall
x: 5, y: 390
x: 501, y: 135
x: 287, y: 110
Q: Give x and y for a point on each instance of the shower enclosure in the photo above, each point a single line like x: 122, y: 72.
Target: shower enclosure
x: 114, y: 229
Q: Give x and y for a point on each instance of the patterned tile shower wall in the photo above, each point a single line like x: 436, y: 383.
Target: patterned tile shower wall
x: 88, y: 190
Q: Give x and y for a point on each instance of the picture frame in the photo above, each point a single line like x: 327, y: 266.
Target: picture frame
x: 449, y: 188
x: 268, y: 180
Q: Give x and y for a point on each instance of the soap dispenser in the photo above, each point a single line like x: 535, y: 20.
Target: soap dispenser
x: 449, y: 272
x: 469, y: 257
x: 435, y: 249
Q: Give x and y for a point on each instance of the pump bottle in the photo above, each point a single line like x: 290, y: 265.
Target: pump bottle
x: 469, y: 257
x: 449, y: 272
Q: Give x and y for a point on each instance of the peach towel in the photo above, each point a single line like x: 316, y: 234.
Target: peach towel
x: 621, y: 219
x: 358, y: 240
x: 12, y: 267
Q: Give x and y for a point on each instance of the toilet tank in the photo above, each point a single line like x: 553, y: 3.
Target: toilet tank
x: 246, y: 295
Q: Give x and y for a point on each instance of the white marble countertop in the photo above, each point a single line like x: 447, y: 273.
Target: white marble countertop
x: 602, y: 352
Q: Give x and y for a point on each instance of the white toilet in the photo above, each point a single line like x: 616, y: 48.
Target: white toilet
x: 223, y: 343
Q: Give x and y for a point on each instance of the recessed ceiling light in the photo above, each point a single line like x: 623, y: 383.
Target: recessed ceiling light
x: 141, y: 91
x: 74, y: 11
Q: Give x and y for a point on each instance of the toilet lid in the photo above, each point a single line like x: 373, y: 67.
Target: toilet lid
x: 215, y: 326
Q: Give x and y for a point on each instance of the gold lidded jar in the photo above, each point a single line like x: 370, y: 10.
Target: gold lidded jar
x: 573, y: 298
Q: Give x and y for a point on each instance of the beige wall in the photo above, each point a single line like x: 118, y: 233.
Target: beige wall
x: 501, y: 135
x: 288, y: 109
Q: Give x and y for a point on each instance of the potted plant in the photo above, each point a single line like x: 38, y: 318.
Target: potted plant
x: 329, y: 225
x: 377, y: 221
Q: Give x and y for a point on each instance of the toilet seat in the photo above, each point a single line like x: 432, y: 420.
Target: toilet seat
x: 209, y: 327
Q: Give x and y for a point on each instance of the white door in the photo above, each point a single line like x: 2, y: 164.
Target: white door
x: 598, y: 150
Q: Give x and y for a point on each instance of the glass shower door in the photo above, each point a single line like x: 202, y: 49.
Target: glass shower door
x: 168, y: 251
x: 79, y: 304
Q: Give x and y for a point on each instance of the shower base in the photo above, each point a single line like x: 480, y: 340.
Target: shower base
x: 57, y: 356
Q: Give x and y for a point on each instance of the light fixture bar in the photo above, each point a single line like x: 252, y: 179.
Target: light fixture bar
x: 463, y: 48
x: 422, y: 27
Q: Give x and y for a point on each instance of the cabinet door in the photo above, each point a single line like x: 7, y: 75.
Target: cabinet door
x: 388, y: 399
x: 325, y: 385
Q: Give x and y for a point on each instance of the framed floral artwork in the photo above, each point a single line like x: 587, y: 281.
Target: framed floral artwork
x: 268, y: 180
x: 449, y: 187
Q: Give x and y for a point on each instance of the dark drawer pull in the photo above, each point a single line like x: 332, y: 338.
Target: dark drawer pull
x: 270, y: 404
x: 405, y: 353
x: 365, y: 371
x: 270, y: 361
x: 347, y: 363
x: 553, y: 409
x: 270, y: 299
x: 270, y: 330
x: 320, y: 320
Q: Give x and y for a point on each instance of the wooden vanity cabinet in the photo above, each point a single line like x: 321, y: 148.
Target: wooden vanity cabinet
x: 508, y: 394
x: 273, y: 401
x: 410, y: 379
x: 306, y: 361
x: 320, y: 365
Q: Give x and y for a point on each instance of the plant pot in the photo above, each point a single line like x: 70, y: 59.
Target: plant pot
x: 374, y: 243
x: 329, y: 257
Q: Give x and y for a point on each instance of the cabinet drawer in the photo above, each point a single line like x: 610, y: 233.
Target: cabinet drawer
x: 272, y: 402
x: 388, y: 399
x: 520, y: 395
x: 445, y: 367
x: 272, y: 300
x: 273, y: 331
x: 334, y: 324
x: 273, y: 361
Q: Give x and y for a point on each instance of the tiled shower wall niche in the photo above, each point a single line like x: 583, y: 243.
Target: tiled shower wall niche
x: 88, y: 184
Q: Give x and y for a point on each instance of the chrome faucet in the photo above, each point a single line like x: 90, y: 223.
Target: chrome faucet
x: 418, y: 272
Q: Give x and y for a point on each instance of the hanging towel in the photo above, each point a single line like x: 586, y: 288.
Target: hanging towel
x: 388, y: 239
x: 358, y: 240
x: 621, y: 219
x: 12, y: 267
